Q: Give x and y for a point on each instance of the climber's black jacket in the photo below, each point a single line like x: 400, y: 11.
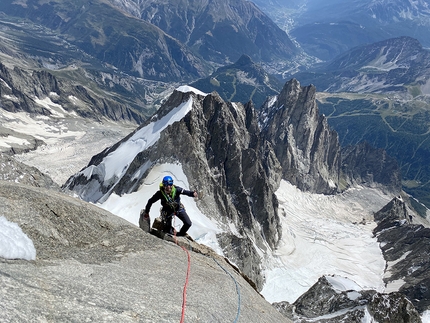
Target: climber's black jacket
x: 170, y: 203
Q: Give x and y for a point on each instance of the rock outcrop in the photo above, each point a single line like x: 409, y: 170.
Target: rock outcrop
x: 12, y: 170
x: 92, y: 265
x: 405, y: 246
x: 326, y: 302
x: 308, y: 150
x: 364, y: 164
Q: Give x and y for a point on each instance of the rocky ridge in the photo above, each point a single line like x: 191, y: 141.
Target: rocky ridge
x: 325, y: 302
x: 224, y: 152
x: 308, y: 150
x: 92, y: 265
x: 404, y: 244
x: 12, y: 170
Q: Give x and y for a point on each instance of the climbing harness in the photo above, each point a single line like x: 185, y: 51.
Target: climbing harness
x: 166, y: 220
x: 170, y: 198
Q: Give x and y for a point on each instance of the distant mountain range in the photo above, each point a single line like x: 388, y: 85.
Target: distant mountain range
x: 219, y: 31
x: 165, y: 41
x: 137, y: 51
x: 326, y: 29
x: 396, y: 65
x: 106, y: 34
x: 242, y: 81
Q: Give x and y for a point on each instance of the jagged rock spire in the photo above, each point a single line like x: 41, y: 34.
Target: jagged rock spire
x: 308, y: 150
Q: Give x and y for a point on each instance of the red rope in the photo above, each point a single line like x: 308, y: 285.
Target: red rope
x: 184, y: 293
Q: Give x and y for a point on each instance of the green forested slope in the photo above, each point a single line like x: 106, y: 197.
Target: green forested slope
x: 401, y: 128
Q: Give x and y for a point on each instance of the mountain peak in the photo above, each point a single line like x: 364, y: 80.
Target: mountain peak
x: 219, y: 31
x: 242, y: 81
x: 244, y: 60
x: 308, y: 150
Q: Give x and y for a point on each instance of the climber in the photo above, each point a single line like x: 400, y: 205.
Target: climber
x: 169, y: 195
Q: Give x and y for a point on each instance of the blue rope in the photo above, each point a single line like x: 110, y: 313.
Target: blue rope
x: 237, y: 290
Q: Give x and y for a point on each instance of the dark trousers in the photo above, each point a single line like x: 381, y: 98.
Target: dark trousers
x: 183, y: 216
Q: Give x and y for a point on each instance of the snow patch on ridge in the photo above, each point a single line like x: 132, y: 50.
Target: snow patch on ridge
x: 14, y: 243
x: 187, y: 88
x: 342, y: 284
x: 118, y: 161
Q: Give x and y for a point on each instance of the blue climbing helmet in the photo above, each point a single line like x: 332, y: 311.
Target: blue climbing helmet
x: 167, y: 180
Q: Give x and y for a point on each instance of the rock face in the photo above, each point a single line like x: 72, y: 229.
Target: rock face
x: 93, y: 266
x: 324, y: 302
x: 13, y: 171
x: 41, y: 92
x: 405, y: 247
x: 366, y: 165
x: 308, y: 150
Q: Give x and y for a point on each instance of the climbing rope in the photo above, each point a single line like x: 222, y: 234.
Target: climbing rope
x: 237, y: 289
x: 184, y: 293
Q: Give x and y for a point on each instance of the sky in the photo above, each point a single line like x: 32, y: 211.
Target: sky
x: 321, y: 234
